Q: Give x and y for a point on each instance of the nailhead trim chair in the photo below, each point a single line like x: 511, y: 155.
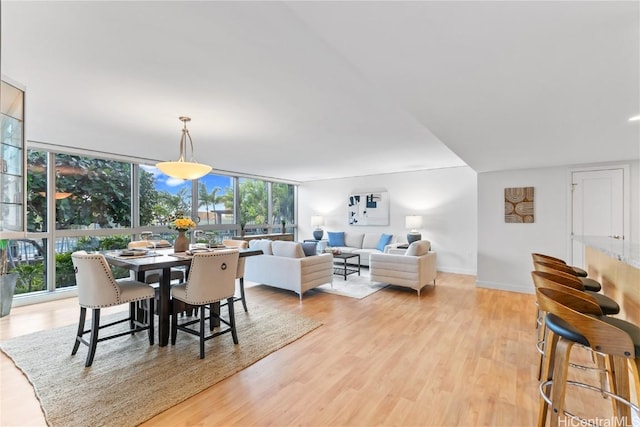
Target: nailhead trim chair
x: 98, y: 289
x: 211, y: 279
x: 240, y: 244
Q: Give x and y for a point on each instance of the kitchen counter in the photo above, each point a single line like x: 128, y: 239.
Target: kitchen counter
x: 615, y: 264
x: 622, y: 250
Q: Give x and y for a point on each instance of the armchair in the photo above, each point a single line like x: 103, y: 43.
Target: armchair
x: 414, y: 269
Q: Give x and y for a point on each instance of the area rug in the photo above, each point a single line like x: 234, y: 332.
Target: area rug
x: 354, y: 287
x: 131, y: 381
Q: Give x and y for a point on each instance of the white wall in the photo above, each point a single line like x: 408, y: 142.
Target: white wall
x: 446, y: 198
x: 504, y: 250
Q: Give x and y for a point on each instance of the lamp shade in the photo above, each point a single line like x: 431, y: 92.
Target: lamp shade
x: 413, y: 222
x: 317, y: 221
x: 181, y: 169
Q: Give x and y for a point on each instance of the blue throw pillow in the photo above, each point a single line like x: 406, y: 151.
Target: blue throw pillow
x: 385, y: 239
x: 336, y: 238
x: 309, y: 248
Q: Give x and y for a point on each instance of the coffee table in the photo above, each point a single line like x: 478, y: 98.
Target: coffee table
x: 345, y: 269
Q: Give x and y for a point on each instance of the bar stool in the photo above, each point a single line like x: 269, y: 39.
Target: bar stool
x: 573, y: 286
x: 552, y: 267
x: 547, y: 258
x: 573, y: 320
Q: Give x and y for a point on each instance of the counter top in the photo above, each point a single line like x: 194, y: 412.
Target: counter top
x: 622, y: 250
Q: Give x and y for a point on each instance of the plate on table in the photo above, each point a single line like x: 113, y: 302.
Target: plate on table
x: 133, y: 252
x: 197, y: 250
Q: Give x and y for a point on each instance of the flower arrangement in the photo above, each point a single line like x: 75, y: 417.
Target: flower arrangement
x: 182, y: 224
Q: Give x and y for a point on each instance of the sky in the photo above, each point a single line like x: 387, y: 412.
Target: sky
x: 172, y: 185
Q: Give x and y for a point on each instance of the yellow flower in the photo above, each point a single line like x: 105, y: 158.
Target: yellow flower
x: 183, y: 224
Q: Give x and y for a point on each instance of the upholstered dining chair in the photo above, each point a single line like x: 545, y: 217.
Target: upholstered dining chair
x: 211, y: 279
x: 98, y: 289
x: 240, y: 244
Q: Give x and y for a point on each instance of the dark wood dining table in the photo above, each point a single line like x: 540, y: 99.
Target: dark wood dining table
x: 164, y: 260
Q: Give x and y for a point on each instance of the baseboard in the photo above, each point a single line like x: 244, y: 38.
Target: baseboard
x: 457, y: 270
x: 523, y: 289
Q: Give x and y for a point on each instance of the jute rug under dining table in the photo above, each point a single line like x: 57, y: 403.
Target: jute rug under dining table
x: 131, y: 381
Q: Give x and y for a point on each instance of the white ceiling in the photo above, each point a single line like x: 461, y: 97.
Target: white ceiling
x: 313, y: 89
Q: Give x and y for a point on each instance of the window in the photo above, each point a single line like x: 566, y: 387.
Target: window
x: 283, y: 203
x: 92, y: 193
x: 95, y: 210
x: 161, y: 196
x: 253, y: 204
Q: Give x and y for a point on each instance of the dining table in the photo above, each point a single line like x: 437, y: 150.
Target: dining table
x: 163, y: 259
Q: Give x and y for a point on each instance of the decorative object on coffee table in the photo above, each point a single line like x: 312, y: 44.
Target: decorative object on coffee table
x: 413, y: 222
x: 317, y: 221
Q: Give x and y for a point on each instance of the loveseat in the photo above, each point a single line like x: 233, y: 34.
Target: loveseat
x: 363, y: 244
x: 284, y: 265
x: 414, y: 269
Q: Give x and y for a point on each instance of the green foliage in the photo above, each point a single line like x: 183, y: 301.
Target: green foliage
x: 207, y: 199
x: 282, y: 197
x: 37, y: 186
x: 253, y: 201
x: 65, y: 274
x: 148, y: 197
x: 30, y: 277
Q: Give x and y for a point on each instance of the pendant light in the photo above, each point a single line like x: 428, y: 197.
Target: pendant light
x: 181, y: 169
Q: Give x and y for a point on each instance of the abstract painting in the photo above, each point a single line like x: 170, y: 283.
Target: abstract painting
x: 518, y: 205
x: 369, y: 208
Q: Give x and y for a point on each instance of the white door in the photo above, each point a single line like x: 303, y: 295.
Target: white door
x: 598, y: 207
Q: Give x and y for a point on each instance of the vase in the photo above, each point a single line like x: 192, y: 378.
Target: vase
x: 181, y: 244
x: 7, y: 288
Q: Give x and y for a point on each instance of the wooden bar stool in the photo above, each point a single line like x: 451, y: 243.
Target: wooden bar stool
x: 551, y: 267
x: 547, y: 258
x: 573, y: 286
x: 570, y: 320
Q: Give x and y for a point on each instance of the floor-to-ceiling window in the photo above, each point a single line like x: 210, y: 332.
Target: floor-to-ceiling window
x: 77, y: 201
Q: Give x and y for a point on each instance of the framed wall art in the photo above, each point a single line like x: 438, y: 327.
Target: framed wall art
x: 369, y: 208
x: 518, y: 205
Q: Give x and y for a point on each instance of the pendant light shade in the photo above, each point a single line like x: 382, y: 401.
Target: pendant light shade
x: 181, y: 169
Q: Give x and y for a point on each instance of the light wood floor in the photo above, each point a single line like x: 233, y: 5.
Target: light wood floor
x: 456, y: 356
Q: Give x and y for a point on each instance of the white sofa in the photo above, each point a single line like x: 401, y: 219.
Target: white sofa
x: 363, y: 244
x: 414, y: 269
x: 285, y: 266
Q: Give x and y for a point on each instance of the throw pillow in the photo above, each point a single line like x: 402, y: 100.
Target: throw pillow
x: 287, y: 249
x: 421, y: 247
x: 309, y: 248
x: 336, y: 238
x: 385, y: 239
x: 264, y: 245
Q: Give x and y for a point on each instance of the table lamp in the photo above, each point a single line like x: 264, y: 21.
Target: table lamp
x: 413, y: 222
x: 317, y: 221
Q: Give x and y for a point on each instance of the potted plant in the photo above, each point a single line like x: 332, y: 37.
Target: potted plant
x: 284, y: 223
x: 243, y: 223
x: 7, y: 279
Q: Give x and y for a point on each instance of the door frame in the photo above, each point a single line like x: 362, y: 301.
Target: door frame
x: 626, y: 201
